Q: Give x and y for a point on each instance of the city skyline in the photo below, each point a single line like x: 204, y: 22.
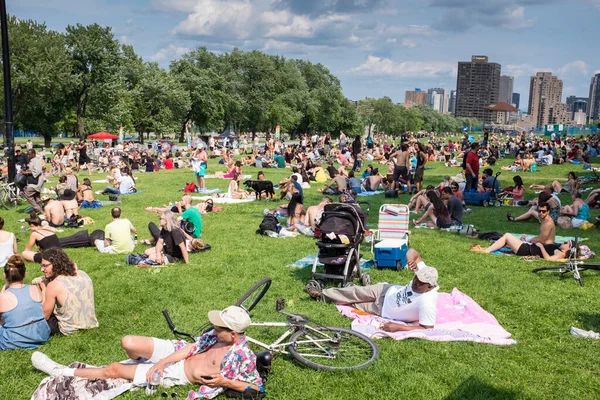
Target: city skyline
x: 375, y: 47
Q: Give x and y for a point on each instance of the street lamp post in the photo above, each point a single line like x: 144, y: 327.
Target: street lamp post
x: 10, y: 140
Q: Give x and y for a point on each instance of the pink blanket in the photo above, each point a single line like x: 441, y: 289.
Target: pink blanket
x: 459, y: 319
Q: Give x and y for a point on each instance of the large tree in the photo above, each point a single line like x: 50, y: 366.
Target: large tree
x: 40, y: 76
x: 95, y: 62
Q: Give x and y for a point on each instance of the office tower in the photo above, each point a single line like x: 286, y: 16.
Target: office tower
x: 574, y: 103
x: 545, y: 91
x: 477, y: 86
x: 559, y: 114
x: 452, y: 104
x: 415, y: 97
x: 506, y: 89
x: 430, y: 93
x: 516, y: 99
x: 594, y: 102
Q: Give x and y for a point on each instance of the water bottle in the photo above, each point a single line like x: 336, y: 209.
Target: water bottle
x: 153, y: 384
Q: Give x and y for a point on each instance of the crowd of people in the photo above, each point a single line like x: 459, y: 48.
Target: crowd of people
x: 62, y: 301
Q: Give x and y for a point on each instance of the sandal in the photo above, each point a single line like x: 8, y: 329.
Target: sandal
x: 531, y: 258
x: 510, y: 217
x: 146, y: 242
x: 476, y: 248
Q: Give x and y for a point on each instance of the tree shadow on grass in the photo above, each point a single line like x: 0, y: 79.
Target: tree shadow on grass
x: 473, y: 388
x: 589, y: 321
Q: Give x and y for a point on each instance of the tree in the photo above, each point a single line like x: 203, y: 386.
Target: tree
x: 160, y: 102
x: 40, y: 76
x: 95, y: 61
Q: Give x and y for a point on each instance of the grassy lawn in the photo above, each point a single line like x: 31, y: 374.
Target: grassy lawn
x: 547, y: 363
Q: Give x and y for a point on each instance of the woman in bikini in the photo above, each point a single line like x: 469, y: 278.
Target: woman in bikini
x: 85, y: 195
x: 550, y: 252
x: 42, y: 237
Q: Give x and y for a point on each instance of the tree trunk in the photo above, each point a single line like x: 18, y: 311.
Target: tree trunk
x: 141, y: 137
x: 47, y: 141
x: 182, y: 137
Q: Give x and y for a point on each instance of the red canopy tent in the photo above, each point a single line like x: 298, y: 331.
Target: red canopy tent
x: 103, y: 135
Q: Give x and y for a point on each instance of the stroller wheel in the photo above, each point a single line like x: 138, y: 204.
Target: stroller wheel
x: 347, y: 284
x: 497, y: 203
x: 315, y: 285
x: 486, y: 203
x: 365, y: 279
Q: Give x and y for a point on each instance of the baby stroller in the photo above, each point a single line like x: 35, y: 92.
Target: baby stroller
x: 341, y: 231
x: 486, y: 198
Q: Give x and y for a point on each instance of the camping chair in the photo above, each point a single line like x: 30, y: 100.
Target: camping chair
x: 393, y: 224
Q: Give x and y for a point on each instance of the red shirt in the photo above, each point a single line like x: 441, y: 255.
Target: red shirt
x: 168, y: 163
x: 473, y: 161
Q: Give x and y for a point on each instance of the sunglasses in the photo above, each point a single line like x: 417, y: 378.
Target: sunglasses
x: 543, y: 211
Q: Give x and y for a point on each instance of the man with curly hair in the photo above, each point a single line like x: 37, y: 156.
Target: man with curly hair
x: 68, y: 294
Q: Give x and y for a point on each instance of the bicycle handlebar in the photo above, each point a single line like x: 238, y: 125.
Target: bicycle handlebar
x: 169, y: 322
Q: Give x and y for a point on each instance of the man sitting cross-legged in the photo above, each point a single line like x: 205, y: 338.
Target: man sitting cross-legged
x: 222, y: 354
x: 413, y: 305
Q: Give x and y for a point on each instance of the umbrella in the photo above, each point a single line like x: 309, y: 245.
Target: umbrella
x: 103, y: 135
x: 226, y: 134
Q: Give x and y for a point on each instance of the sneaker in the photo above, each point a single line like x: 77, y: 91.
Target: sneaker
x: 468, y: 211
x: 584, y: 334
x: 45, y: 364
x: 313, y: 292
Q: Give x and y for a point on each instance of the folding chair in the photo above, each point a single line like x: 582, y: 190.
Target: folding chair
x: 390, y: 239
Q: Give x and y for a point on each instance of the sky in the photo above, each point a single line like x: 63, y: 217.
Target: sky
x: 375, y: 47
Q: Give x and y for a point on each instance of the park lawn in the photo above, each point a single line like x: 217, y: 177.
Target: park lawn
x: 546, y: 363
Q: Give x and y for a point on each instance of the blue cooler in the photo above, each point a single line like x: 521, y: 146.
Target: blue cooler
x: 391, y: 253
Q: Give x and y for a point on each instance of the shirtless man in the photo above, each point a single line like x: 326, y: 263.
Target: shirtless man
x: 337, y: 185
x: 313, y: 212
x: 374, y: 181
x: 69, y: 203
x: 401, y: 159
x: 54, y: 212
x: 180, y: 363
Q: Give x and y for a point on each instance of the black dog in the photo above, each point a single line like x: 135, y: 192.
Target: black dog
x: 259, y: 187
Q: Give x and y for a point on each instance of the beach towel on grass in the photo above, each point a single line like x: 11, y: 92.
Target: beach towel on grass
x: 557, y: 239
x: 209, y: 191
x: 73, y: 388
x: 459, y: 319
x: 366, y: 194
x: 584, y: 253
x: 224, y: 200
x: 214, y: 176
x: 310, y: 259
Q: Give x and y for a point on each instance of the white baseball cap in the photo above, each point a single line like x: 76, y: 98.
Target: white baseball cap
x: 233, y: 317
x: 427, y: 275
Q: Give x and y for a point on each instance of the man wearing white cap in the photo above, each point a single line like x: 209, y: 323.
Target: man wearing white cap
x: 413, y: 305
x: 219, y: 359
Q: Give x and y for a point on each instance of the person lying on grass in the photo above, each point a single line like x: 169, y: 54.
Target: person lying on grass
x: 219, y: 359
x: 547, y: 197
x: 413, y: 305
x: 537, y: 246
x: 184, y: 203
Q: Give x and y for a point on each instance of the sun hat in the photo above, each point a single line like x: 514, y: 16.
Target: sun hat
x: 427, y: 275
x: 233, y: 317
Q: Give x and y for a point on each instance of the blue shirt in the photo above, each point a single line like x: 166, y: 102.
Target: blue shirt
x: 298, y: 188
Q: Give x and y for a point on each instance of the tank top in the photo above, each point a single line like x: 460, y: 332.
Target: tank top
x: 7, y: 249
x: 583, y: 213
x: 79, y: 311
x: 48, y: 242
x: 24, y: 326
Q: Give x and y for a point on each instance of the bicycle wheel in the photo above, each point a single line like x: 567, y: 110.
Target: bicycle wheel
x: 555, y: 268
x: 250, y: 299
x: 4, y: 198
x: 331, y: 348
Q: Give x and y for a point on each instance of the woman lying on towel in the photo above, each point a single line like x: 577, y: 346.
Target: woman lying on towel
x: 550, y: 252
x: 184, y: 203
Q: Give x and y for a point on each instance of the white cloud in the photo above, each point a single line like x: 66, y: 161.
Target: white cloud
x: 384, y: 66
x: 514, y: 19
x: 184, y: 6
x: 169, y: 53
x: 218, y: 18
x: 411, y: 44
x: 597, y: 71
x: 408, y: 30
x: 301, y: 26
x: 575, y: 67
x: 392, y: 40
x: 293, y: 47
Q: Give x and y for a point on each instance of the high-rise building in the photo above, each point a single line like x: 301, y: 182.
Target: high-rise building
x: 559, y: 114
x: 545, y: 91
x: 477, y: 86
x: 452, y: 104
x: 572, y: 100
x: 430, y: 93
x: 438, y: 99
x: 516, y: 99
x: 506, y: 89
x: 594, y: 104
x: 415, y: 97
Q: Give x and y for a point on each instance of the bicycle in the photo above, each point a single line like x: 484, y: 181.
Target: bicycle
x: 9, y: 195
x: 326, y: 348
x: 572, y: 265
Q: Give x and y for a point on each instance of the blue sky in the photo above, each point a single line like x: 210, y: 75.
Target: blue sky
x: 376, y: 47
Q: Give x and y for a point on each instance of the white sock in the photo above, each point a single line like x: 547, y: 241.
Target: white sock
x: 68, y: 371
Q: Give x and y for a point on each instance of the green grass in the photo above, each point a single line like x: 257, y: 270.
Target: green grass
x: 547, y: 363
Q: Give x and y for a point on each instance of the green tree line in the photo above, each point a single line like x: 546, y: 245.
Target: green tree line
x: 84, y: 81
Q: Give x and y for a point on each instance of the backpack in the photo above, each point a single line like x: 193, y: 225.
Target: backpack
x: 391, y: 194
x: 463, y: 165
x: 190, y: 187
x: 269, y: 223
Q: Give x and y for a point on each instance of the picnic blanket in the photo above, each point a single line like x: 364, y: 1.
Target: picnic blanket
x: 73, y: 388
x: 224, y: 200
x: 242, y: 177
x: 208, y: 191
x: 132, y: 193
x: 309, y: 260
x: 557, y: 239
x: 459, y: 319
x: 584, y: 253
x: 365, y: 194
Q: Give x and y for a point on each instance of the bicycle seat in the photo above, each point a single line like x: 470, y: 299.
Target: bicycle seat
x: 297, y: 318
